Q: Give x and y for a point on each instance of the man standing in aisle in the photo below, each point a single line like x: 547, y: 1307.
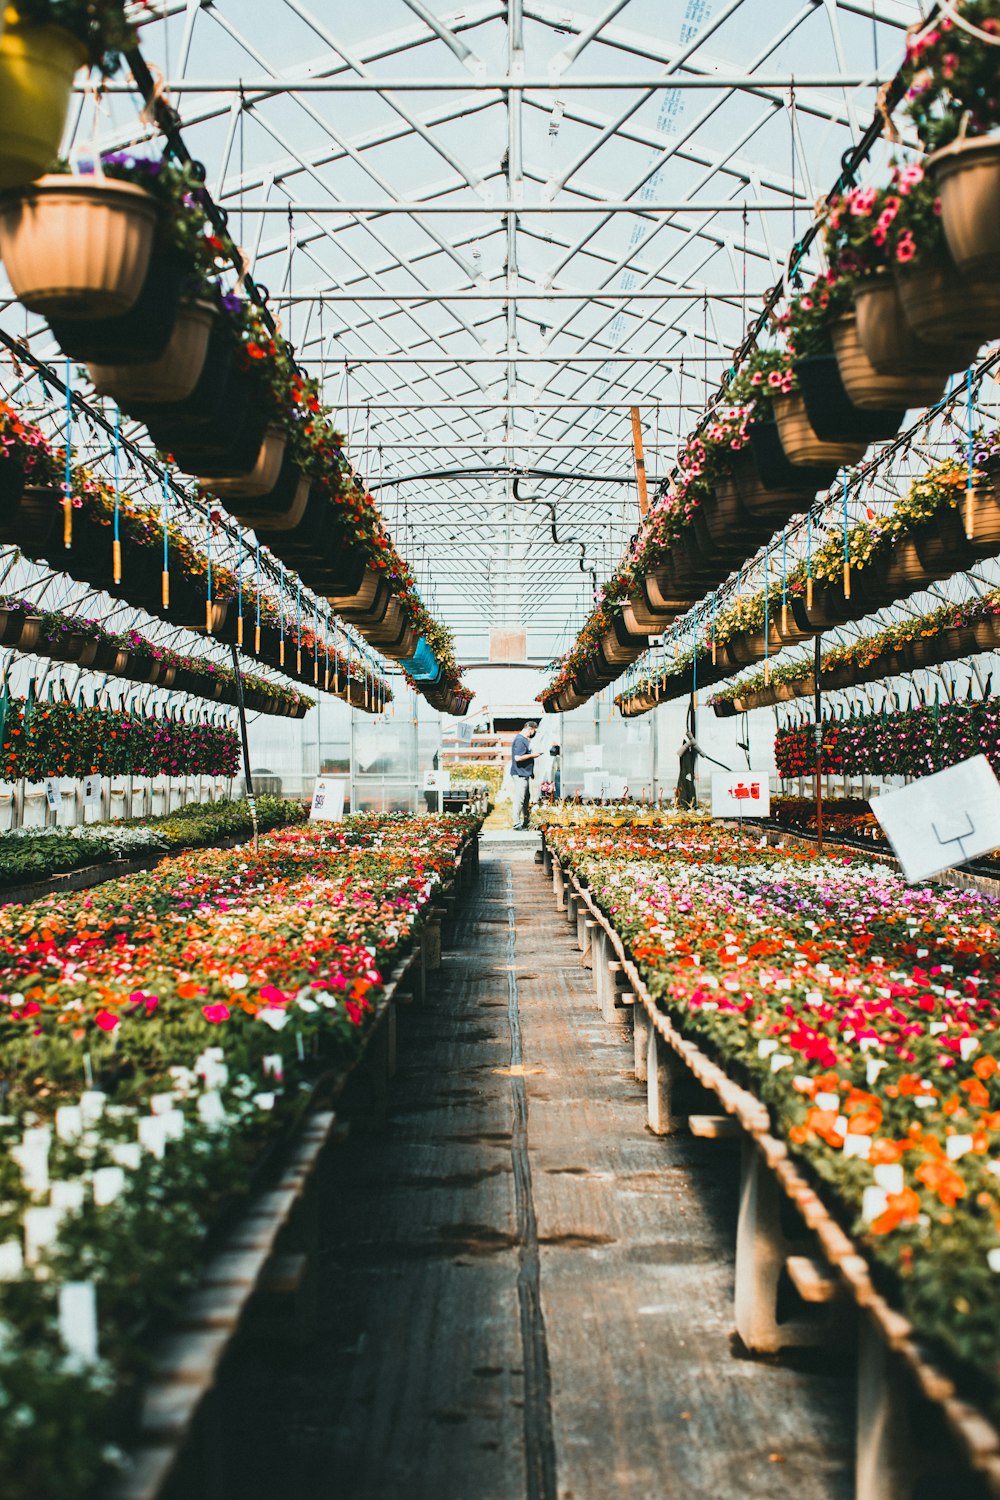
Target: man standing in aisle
x: 522, y: 768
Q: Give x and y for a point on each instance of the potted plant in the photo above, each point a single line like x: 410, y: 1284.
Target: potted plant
x: 881, y: 361
x: 31, y: 479
x: 954, y: 102
x: 42, y: 44
x: 808, y: 327
x: 77, y: 246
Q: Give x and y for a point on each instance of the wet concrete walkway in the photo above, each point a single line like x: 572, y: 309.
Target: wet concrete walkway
x: 526, y: 1296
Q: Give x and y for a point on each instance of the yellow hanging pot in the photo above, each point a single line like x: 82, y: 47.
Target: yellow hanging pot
x: 37, y: 64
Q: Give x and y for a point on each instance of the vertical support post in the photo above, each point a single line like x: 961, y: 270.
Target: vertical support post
x: 247, y: 777
x: 660, y: 1071
x: 641, y: 1029
x: 818, y: 733
x: 884, y: 1466
x: 761, y: 1252
x: 640, y: 462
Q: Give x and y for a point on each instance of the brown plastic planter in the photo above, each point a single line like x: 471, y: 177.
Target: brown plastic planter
x: 78, y: 247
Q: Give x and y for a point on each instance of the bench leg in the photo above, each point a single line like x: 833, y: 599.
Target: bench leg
x: 640, y: 1040
x: 558, y: 886
x: 761, y: 1251
x: 661, y: 1079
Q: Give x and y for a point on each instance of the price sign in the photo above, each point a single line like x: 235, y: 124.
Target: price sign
x: 92, y: 791
x: 53, y: 793
x: 437, y: 781
x: 943, y: 819
x: 745, y: 794
x: 328, y: 801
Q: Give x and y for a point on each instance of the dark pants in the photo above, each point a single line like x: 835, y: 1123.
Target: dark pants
x: 522, y: 802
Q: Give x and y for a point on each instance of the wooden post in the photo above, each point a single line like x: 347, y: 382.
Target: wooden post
x: 640, y: 462
x: 818, y: 733
x: 640, y: 1040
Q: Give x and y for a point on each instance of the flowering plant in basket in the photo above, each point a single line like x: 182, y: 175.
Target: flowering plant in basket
x: 101, y: 25
x: 864, y: 227
x: 952, y: 71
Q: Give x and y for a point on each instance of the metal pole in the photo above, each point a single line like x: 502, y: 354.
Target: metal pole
x: 247, y: 777
x: 818, y: 737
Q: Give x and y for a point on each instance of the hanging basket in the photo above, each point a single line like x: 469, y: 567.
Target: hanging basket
x: 777, y: 473
x: 892, y: 346
x: 725, y: 515
x: 988, y: 633
x: 966, y: 174
x: 37, y: 65
x: 170, y: 378
x: 78, y: 247
x: 802, y: 447
x: 280, y: 511
x: 981, y: 520
x: 260, y: 479
x: 959, y: 641
x: 110, y: 657
x: 865, y: 387
x: 141, y: 668
x: 941, y: 305
x: 832, y: 414
x: 11, y: 487
x: 903, y: 570
x: 725, y: 708
x: 140, y: 335
x: 32, y: 524
x: 660, y: 593
x: 942, y: 545
x: 19, y: 628
x: 367, y: 603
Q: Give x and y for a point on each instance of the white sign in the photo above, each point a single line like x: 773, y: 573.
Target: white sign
x: 593, y: 757
x: 942, y: 820
x: 92, y: 791
x: 601, y: 784
x: 328, y: 800
x: 741, y: 794
x: 437, y: 781
x: 53, y: 793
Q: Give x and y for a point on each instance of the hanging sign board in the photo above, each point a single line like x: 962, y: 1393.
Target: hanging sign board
x: 602, y: 786
x: 53, y: 793
x: 92, y: 791
x: 328, y: 800
x: 437, y: 781
x: 745, y: 794
x: 943, y: 819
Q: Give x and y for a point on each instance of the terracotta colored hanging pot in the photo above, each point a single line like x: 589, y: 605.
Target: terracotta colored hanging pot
x: 892, y: 346
x: 903, y: 570
x: 988, y: 633
x: 865, y: 387
x: 169, y: 378
x: 966, y: 174
x: 726, y: 516
x: 661, y: 593
x: 139, y: 335
x: 801, y: 445
x: 941, y: 305
x: 776, y: 472
x: 37, y: 65
x: 833, y: 415
x: 78, y: 247
x: 274, y: 513
x: 260, y: 479
x: 19, y: 628
x: 982, y: 520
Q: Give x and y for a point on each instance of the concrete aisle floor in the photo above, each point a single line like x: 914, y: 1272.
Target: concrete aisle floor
x: 526, y: 1296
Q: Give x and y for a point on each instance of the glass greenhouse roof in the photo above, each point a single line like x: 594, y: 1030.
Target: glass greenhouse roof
x: 493, y: 228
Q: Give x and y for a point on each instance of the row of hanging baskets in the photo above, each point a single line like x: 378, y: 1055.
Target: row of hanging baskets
x: 121, y: 264
x: 932, y: 647
x: 87, y: 644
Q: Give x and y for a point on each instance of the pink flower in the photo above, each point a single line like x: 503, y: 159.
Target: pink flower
x: 274, y: 996
x: 906, y: 247
x: 216, y: 1013
x: 105, y: 1020
x: 862, y: 201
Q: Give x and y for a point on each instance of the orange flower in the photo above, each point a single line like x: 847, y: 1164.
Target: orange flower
x: 941, y: 1178
x: 903, y: 1208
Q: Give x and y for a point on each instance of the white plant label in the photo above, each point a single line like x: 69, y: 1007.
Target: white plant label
x: 744, y: 794
x: 78, y: 1320
x: 328, y: 801
x: 943, y: 819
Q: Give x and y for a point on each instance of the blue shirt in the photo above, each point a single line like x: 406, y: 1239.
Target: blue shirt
x: 521, y: 746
